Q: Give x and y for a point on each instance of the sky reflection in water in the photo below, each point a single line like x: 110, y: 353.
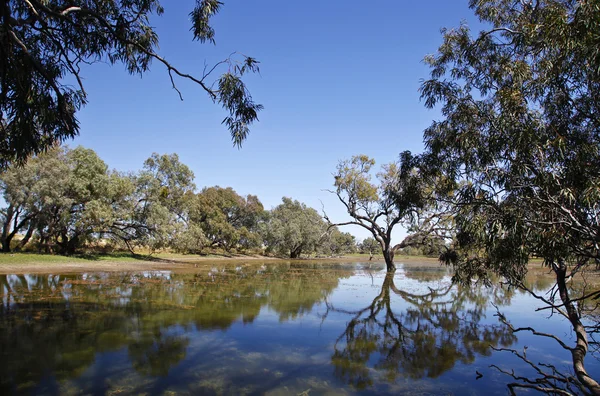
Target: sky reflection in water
x: 275, y: 329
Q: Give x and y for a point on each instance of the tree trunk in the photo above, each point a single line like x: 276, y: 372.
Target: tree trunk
x: 5, y: 245
x: 388, y: 255
x: 72, y: 245
x: 581, y: 348
x: 5, y: 238
x: 295, y: 253
x: 27, y: 236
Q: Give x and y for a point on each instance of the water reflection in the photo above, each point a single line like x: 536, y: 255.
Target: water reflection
x: 250, y: 329
x: 417, y: 335
x: 52, y: 327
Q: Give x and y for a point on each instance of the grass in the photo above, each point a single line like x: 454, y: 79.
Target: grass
x: 28, y: 258
x: 127, y: 257
x: 362, y: 255
x: 115, y: 257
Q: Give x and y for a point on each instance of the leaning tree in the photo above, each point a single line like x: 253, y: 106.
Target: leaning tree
x: 520, y: 135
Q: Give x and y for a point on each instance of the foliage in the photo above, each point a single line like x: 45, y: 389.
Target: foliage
x: 294, y: 229
x: 167, y: 181
x: 370, y: 206
x: 66, y: 199
x: 84, y: 205
x: 522, y: 131
x: 191, y: 239
x: 227, y: 219
x: 337, y: 243
x: 369, y: 245
x: 520, y: 138
x: 63, y: 196
x: 44, y: 44
x: 403, y: 196
x: 27, y: 192
x: 154, y: 213
x: 430, y: 248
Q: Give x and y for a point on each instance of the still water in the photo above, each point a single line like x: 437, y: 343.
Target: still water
x: 263, y: 328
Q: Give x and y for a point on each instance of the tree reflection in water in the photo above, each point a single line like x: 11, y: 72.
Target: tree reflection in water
x: 55, y: 327
x: 425, y: 338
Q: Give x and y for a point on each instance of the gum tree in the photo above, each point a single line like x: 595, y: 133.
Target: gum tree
x: 520, y: 136
x: 402, y: 197
x: 294, y: 229
x: 159, y: 210
x: 28, y: 192
x: 227, y: 219
x: 44, y: 44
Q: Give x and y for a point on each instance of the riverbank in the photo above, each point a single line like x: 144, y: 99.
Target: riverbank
x: 11, y: 263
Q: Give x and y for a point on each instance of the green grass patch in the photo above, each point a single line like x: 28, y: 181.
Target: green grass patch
x: 121, y: 257
x: 29, y: 258
x: 34, y: 258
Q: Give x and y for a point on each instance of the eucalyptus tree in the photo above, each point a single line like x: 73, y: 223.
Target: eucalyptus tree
x: 336, y: 243
x: 369, y: 245
x: 227, y: 219
x: 81, y: 208
x: 44, y: 44
x: 520, y: 136
x: 62, y: 197
x: 130, y: 223
x: 159, y: 212
x: 17, y: 213
x: 402, y: 197
x: 294, y: 229
x: 27, y: 192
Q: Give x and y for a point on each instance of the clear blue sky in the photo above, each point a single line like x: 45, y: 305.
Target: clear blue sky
x: 338, y: 78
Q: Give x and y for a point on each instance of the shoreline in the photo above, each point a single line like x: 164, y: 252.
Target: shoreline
x: 23, y: 263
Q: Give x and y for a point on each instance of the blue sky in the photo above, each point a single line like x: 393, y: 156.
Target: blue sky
x: 338, y: 78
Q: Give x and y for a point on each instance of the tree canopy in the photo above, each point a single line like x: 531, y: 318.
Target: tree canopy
x: 519, y: 137
x: 226, y: 218
x: 64, y: 196
x: 403, y: 196
x: 44, y: 44
x: 294, y: 229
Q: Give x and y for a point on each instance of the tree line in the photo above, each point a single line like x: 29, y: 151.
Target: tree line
x: 64, y: 200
